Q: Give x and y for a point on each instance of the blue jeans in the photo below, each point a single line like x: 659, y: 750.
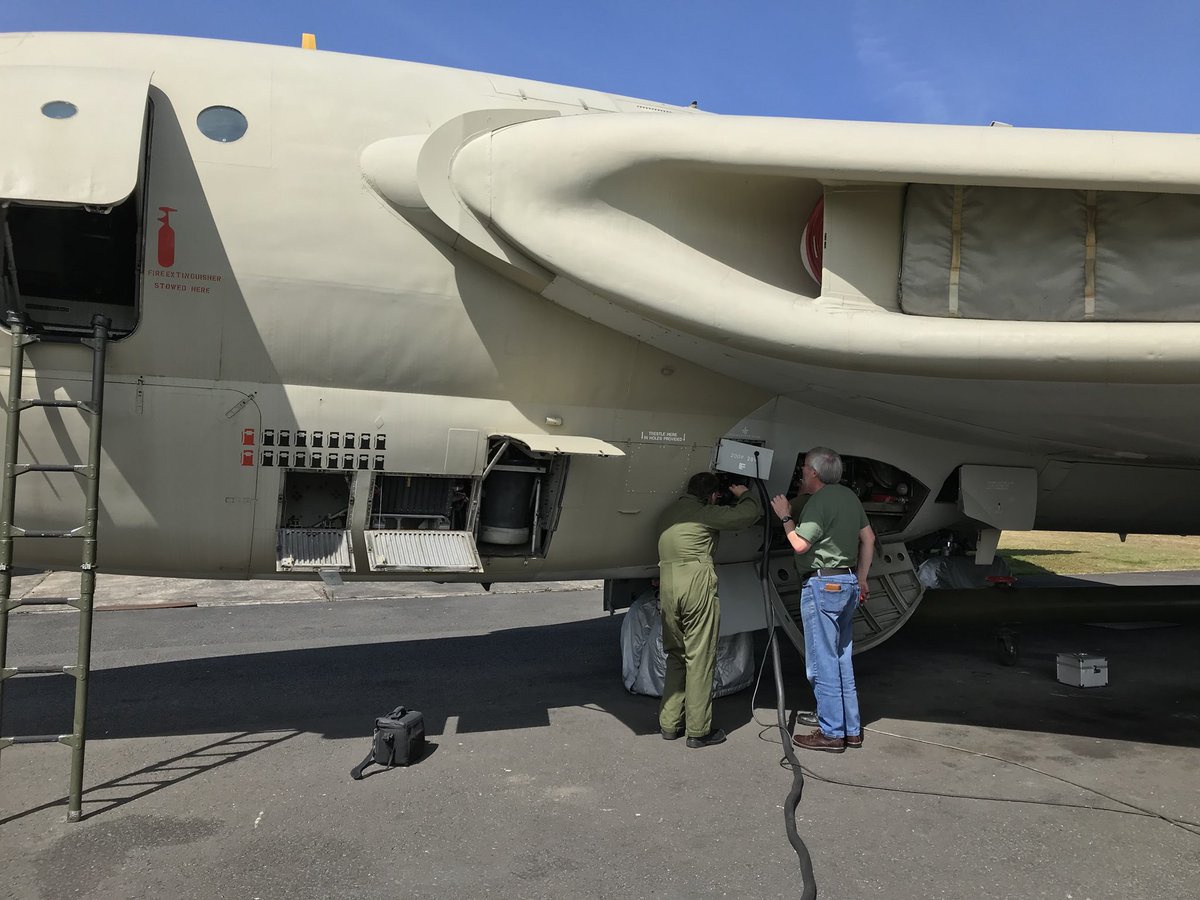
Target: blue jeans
x: 827, y: 614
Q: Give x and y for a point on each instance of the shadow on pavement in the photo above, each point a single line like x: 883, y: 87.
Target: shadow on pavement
x: 952, y: 674
x: 116, y: 792
x: 502, y: 680
x: 512, y: 679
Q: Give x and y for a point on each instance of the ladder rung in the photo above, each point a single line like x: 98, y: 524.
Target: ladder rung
x: 42, y: 601
x: 37, y: 738
x: 19, y: 671
x: 60, y: 404
x: 84, y: 406
x: 22, y: 468
x: 73, y: 533
x: 50, y: 337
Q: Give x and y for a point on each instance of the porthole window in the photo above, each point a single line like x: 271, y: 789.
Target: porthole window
x: 59, y: 109
x: 222, y: 123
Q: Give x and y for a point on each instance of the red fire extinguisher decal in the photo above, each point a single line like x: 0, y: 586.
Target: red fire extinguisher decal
x: 247, y: 457
x: 166, y: 238
x: 247, y: 437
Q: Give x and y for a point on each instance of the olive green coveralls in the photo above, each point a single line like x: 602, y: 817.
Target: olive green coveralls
x: 691, y: 612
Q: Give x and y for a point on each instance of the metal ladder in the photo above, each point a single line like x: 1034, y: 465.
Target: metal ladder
x: 98, y: 342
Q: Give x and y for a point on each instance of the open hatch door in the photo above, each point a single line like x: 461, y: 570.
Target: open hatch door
x: 89, y: 157
x: 569, y: 444
x: 423, y: 523
x: 71, y: 210
x: 314, y: 523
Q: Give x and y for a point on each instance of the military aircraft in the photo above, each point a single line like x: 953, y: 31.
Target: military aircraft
x: 390, y: 320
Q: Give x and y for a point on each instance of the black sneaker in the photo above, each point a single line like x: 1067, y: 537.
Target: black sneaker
x: 716, y: 736
x: 671, y: 735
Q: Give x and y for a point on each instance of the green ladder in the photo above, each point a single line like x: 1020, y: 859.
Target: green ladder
x: 22, y: 336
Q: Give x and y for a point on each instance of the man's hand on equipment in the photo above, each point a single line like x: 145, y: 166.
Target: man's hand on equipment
x: 738, y: 489
x: 781, y: 505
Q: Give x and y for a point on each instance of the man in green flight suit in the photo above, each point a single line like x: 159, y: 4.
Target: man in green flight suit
x: 691, y: 613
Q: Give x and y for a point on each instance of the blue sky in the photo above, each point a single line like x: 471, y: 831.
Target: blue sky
x: 1055, y: 63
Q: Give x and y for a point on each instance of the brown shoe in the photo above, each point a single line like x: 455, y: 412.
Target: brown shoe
x: 818, y: 740
x: 854, y: 741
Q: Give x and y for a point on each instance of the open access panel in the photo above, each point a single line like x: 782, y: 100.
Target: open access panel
x: 433, y: 523
x: 446, y: 523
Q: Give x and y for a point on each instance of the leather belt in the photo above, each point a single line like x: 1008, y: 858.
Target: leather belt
x: 826, y: 573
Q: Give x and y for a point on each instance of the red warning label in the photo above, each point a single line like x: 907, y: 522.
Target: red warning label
x: 247, y: 437
x: 247, y: 457
x: 166, y: 238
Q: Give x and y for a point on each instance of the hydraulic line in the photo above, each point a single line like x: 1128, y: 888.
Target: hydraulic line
x: 786, y: 723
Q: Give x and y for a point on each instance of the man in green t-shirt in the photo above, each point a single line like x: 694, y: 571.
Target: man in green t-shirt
x: 691, y: 613
x: 834, y: 546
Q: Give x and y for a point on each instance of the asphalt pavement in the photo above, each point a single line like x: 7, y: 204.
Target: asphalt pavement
x: 222, y: 736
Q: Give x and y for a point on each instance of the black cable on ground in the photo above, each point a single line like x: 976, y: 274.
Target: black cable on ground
x: 1183, y: 824
x: 1132, y: 809
x: 809, y: 884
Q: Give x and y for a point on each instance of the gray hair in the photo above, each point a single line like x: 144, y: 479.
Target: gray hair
x: 826, y: 463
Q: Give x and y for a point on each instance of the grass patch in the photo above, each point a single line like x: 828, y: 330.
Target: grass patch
x: 1081, y: 553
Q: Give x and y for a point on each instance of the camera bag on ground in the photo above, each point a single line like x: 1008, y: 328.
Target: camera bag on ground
x: 399, y: 740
